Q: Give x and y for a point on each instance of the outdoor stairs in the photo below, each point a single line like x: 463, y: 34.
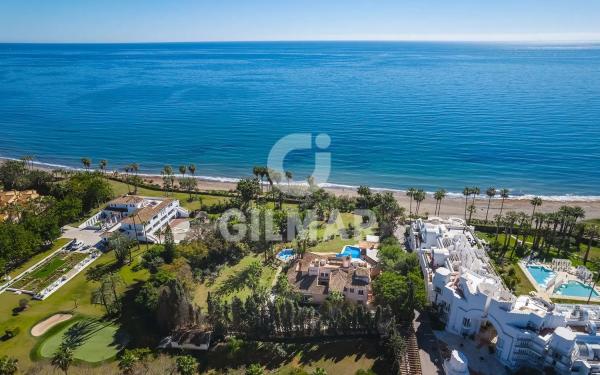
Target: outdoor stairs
x: 412, y: 362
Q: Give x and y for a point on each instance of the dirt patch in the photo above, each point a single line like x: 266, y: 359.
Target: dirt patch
x: 43, y: 326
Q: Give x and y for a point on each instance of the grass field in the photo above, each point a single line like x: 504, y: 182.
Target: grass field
x: 226, y: 276
x: 336, y: 244
x: 97, y: 342
x: 77, y: 291
x: 120, y: 188
x: 38, y: 257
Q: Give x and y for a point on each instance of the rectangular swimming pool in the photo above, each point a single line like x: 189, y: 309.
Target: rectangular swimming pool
x: 575, y: 288
x: 541, y: 274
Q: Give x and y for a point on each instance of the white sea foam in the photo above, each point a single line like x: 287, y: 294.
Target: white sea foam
x: 549, y: 198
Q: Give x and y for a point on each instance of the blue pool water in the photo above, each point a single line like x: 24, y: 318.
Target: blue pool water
x: 541, y: 274
x: 517, y: 115
x: 575, y: 289
x: 285, y: 254
x: 353, y: 251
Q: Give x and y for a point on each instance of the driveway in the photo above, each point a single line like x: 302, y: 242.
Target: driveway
x: 89, y: 237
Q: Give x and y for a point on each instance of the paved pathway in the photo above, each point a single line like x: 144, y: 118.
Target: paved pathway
x: 479, y: 357
x: 429, y: 353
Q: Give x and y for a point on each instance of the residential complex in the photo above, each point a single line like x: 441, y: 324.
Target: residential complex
x: 138, y: 217
x: 316, y: 276
x: 14, y: 197
x: 472, y: 300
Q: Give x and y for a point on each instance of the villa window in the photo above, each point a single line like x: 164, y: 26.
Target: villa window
x: 351, y: 290
x: 466, y: 322
x: 361, y: 292
x: 345, y: 289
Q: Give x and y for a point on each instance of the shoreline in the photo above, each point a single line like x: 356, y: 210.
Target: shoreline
x: 452, y: 205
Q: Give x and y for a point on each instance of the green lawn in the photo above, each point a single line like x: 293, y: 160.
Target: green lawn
x: 120, y: 188
x: 100, y: 342
x: 78, y: 289
x: 523, y: 284
x: 268, y: 273
x: 336, y: 244
x: 38, y: 257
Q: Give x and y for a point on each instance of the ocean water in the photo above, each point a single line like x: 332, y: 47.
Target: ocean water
x: 428, y: 115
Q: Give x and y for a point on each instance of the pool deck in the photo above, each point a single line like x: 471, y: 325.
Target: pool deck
x: 564, y: 277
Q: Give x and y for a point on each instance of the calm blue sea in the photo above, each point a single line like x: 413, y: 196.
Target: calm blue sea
x: 429, y: 115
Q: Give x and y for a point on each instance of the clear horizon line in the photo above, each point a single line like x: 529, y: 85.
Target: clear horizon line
x: 505, y: 39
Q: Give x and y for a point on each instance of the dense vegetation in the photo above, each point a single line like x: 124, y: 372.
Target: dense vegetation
x: 32, y: 226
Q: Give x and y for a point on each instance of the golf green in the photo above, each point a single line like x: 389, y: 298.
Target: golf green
x: 96, y: 341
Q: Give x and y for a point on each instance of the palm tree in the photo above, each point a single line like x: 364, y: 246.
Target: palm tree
x: 592, y: 232
x: 467, y: 193
x: 28, y: 159
x: 192, y: 169
x: 491, y: 193
x: 167, y: 173
x: 63, y: 357
x: 503, y: 195
x: 134, y: 167
x: 535, y: 202
x: 182, y: 170
x: 439, y: 196
x: 475, y: 191
x: 471, y: 209
x: 410, y: 193
x: 419, y: 197
x: 86, y: 163
x: 8, y: 365
x: 288, y: 177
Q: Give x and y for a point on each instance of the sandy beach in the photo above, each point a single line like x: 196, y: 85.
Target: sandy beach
x: 451, y: 205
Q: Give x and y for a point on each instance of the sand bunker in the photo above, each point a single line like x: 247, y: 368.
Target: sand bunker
x: 43, y: 326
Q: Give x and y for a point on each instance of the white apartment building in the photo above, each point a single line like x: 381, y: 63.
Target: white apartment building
x: 141, y: 217
x: 473, y: 301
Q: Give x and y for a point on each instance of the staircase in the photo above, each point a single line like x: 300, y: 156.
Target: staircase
x: 411, y: 365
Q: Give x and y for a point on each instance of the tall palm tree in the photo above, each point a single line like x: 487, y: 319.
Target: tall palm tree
x: 102, y: 165
x: 491, y: 193
x: 475, y: 191
x: 419, y: 197
x: 592, y: 231
x: 439, y: 196
x: 182, y: 170
x: 134, y: 167
x: 167, y: 173
x: 503, y: 195
x: 535, y: 202
x: 86, y: 163
x: 410, y: 193
x: 466, y: 193
x: 192, y: 169
x: 288, y: 177
x: 63, y: 357
x: 471, y: 209
x: 127, y: 169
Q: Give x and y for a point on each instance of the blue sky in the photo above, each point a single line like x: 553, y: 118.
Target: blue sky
x: 220, y: 20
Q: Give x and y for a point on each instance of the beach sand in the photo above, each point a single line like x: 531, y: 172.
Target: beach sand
x: 451, y: 205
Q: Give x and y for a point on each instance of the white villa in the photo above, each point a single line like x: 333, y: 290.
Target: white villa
x: 141, y: 217
x: 473, y: 301
x: 315, y: 276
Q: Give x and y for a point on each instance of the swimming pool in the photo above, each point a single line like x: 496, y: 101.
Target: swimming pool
x: 286, y: 254
x: 353, y: 251
x: 575, y: 289
x: 541, y: 274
